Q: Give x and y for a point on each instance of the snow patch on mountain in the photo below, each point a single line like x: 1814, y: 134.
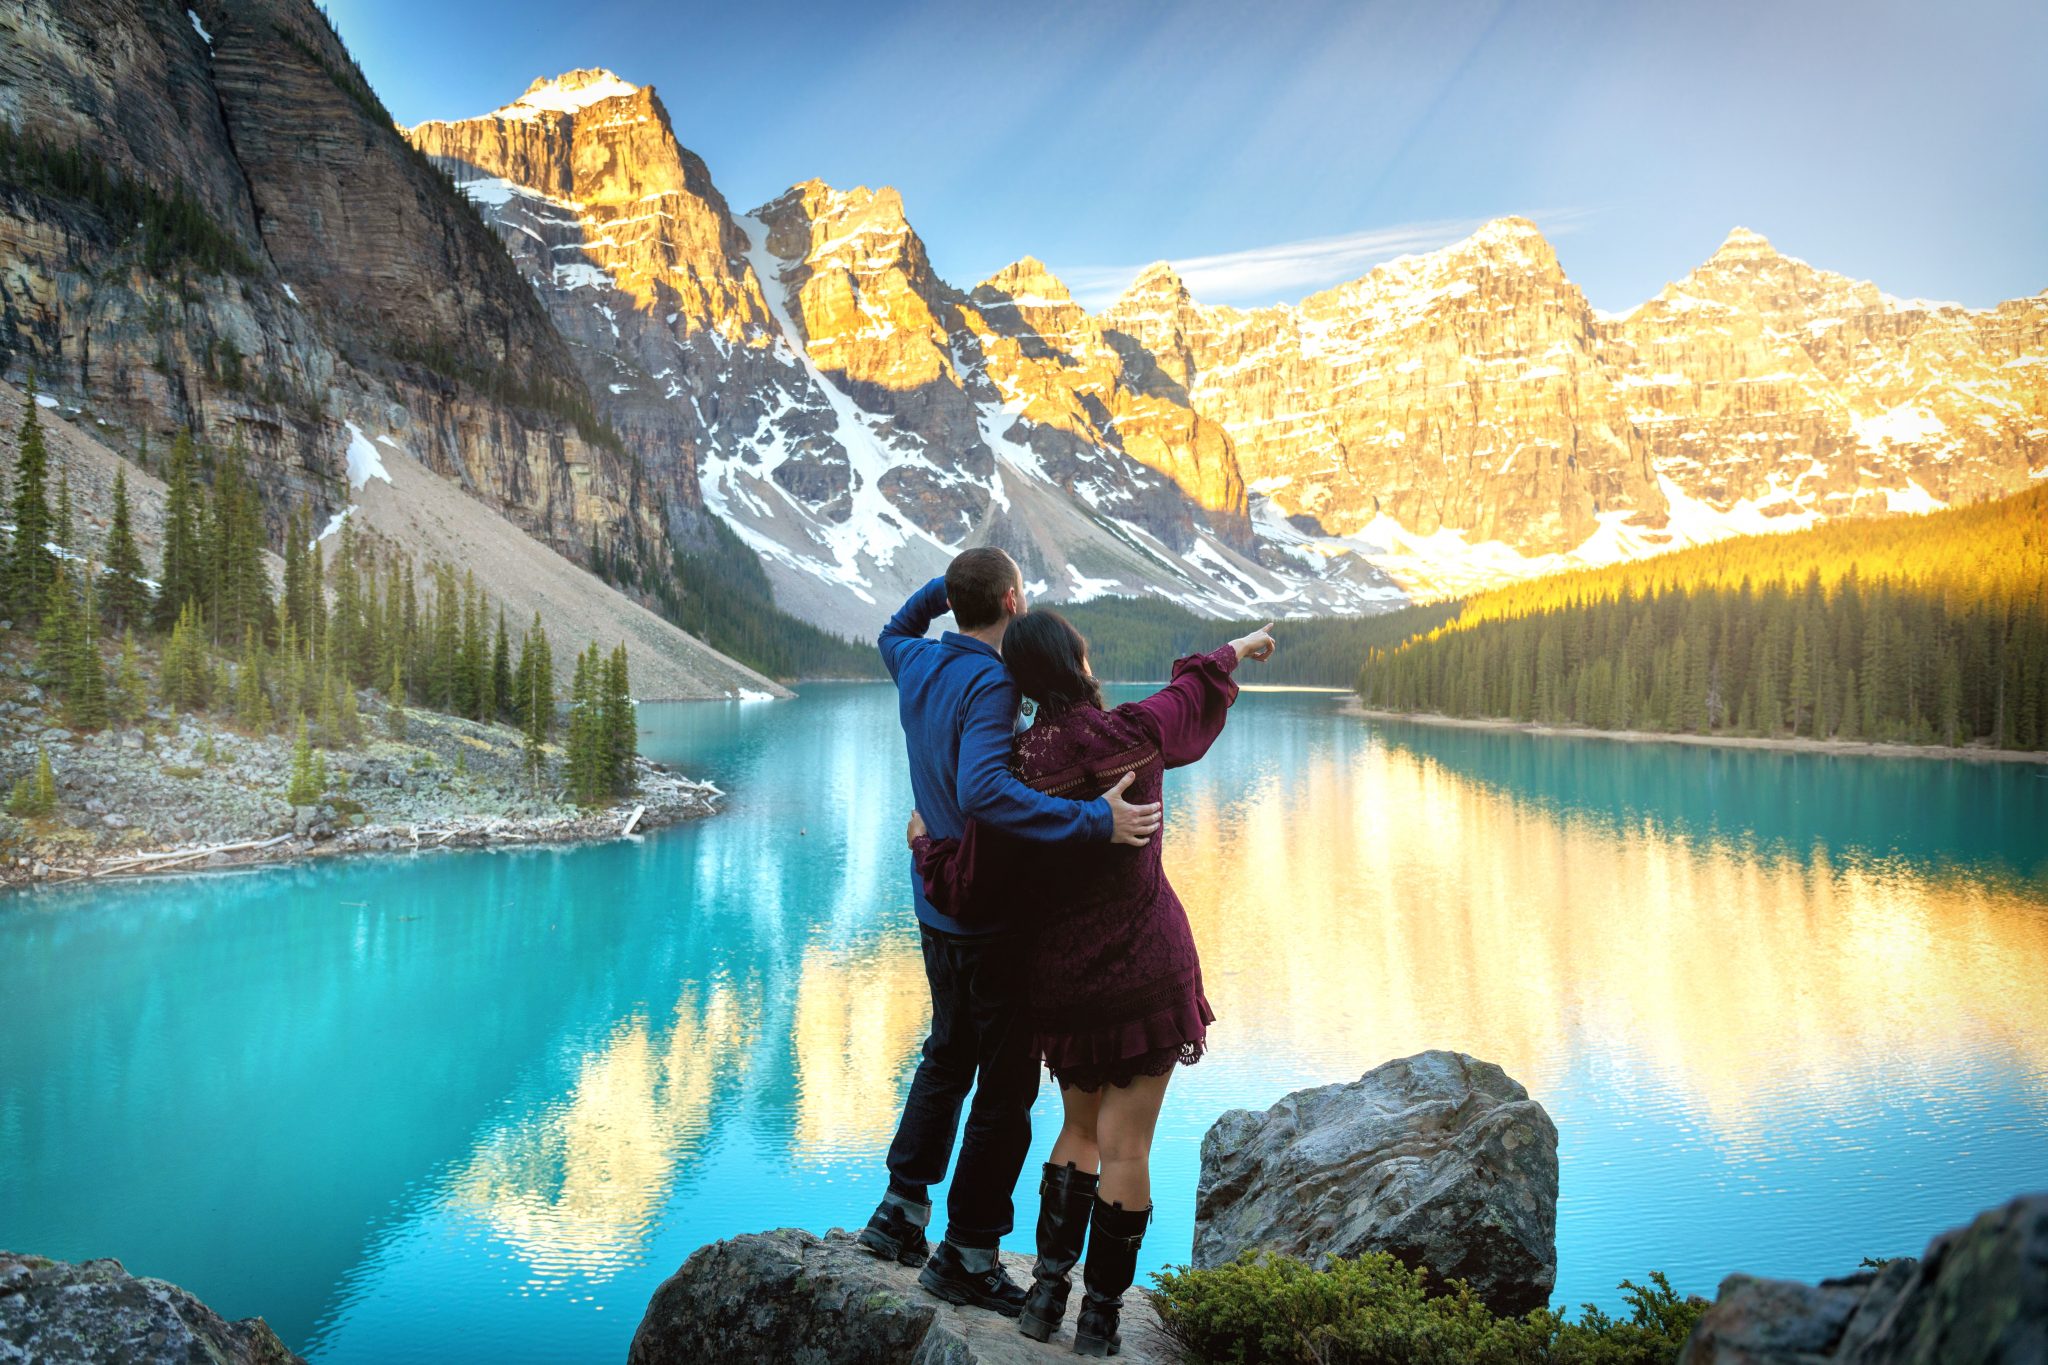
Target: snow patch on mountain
x: 1904, y: 425
x: 364, y: 461
x: 566, y: 94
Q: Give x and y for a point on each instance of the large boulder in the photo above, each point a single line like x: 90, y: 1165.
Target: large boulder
x: 1978, y: 1296
x: 788, y: 1296
x: 1440, y: 1159
x: 95, y: 1311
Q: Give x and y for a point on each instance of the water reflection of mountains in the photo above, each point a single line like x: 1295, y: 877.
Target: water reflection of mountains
x: 1982, y: 817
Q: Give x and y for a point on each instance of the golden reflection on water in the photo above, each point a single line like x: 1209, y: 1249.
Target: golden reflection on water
x: 1371, y: 905
x: 1378, y: 904
x: 859, y: 1016
x: 574, y: 1185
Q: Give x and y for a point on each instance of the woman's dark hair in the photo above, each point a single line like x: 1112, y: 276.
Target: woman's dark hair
x: 1048, y: 658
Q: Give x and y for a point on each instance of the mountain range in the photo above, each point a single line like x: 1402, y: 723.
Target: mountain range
x: 1449, y: 420
x: 552, y: 306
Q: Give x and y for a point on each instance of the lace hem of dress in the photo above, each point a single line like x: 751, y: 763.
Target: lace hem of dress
x: 1149, y: 1046
x: 1090, y: 1077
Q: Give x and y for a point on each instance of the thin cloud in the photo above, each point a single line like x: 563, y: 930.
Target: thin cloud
x: 1287, y: 270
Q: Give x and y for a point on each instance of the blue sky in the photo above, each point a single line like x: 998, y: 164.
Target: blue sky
x: 1275, y: 148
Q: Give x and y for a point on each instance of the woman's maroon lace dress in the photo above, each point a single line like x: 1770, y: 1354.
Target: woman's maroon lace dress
x: 1116, y: 986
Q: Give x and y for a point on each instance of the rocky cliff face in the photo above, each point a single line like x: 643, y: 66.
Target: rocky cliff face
x: 806, y: 373
x: 354, y: 284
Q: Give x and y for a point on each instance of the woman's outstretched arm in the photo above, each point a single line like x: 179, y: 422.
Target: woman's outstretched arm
x: 1188, y: 713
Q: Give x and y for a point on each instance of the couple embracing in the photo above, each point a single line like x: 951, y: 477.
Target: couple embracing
x: 1050, y: 936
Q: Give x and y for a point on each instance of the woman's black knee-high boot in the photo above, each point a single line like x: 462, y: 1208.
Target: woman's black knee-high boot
x: 1066, y: 1195
x: 1114, y: 1235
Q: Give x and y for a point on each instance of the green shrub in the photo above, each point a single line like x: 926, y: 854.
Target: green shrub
x: 1263, y: 1309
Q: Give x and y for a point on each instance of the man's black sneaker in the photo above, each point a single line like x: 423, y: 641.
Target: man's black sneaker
x: 896, y: 1231
x: 973, y: 1278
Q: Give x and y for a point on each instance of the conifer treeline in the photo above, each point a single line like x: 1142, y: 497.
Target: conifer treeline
x: 1136, y: 639
x: 353, y: 618
x: 1925, y: 630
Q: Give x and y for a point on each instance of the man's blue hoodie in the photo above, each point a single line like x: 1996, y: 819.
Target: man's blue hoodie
x: 959, y: 711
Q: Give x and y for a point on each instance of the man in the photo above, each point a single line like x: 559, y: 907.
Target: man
x: 959, y: 712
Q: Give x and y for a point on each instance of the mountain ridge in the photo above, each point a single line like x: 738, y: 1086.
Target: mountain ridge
x: 1451, y: 418
x: 870, y: 418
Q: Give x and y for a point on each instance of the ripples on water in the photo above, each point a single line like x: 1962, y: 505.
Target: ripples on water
x: 1786, y: 1011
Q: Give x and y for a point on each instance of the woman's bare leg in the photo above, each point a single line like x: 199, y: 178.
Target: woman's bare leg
x: 1124, y: 1136
x: 1076, y: 1141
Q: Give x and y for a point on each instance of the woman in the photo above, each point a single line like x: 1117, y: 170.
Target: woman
x: 1115, y: 998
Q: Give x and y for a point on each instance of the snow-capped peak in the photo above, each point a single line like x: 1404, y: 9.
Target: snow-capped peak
x: 1742, y: 242
x: 567, y: 93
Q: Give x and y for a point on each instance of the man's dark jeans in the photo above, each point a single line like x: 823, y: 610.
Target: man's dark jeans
x: 978, y: 1040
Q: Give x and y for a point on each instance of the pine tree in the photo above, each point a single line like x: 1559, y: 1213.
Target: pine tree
x: 29, y: 565
x: 329, y: 725
x: 186, y: 678
x: 486, y: 670
x: 444, y: 663
x: 57, y: 632
x: 394, y: 700
x: 397, y: 646
x: 124, y: 596
x: 316, y: 601
x: 85, y: 701
x: 475, y: 660
x: 1851, y: 726
x: 35, y: 793
x: 585, y: 740
x: 1801, y: 696
x: 239, y: 588
x: 63, y: 527
x: 129, y: 694
x: 621, y: 724
x: 182, y: 581
x: 544, y: 680
x: 537, y: 695
x: 501, y: 670
x: 344, y: 629
x: 295, y: 536
x: 252, y: 700
x: 348, y: 712
x: 303, y: 789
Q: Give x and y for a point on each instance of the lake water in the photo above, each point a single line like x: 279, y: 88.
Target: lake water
x: 1787, y: 1011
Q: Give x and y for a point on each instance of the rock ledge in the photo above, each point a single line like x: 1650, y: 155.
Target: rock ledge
x: 96, y: 1311
x: 789, y: 1296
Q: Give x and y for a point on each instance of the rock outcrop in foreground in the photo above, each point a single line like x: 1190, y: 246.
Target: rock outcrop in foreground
x: 789, y: 1296
x: 1979, y: 1295
x: 1439, y: 1159
x: 95, y: 1310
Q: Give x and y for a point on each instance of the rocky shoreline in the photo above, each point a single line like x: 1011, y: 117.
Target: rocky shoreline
x: 1849, y: 747
x: 184, y: 793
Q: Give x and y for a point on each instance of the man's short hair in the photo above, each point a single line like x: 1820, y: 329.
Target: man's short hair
x: 975, y: 583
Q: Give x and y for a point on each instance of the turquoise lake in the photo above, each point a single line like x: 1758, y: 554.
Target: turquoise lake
x: 1787, y: 1011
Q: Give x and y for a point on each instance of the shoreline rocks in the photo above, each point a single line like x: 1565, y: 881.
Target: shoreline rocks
x: 96, y: 1311
x: 181, y: 793
x: 1439, y: 1159
x: 790, y: 1296
x: 1978, y: 1295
